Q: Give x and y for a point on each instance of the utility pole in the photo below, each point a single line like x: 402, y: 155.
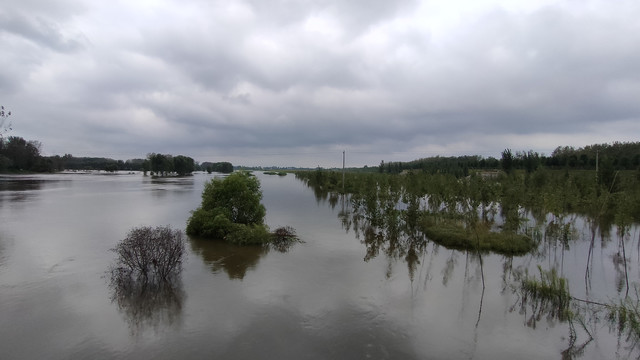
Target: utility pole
x: 343, y: 171
x: 597, y: 166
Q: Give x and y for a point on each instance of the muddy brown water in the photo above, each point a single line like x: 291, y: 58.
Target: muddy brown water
x: 319, y: 300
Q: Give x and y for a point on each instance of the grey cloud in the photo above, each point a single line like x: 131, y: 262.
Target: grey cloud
x: 354, y: 16
x: 262, y: 82
x: 40, y: 31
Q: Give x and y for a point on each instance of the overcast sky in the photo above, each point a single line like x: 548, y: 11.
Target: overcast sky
x: 286, y: 82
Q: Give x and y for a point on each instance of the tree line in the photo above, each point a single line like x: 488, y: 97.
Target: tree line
x: 617, y: 156
x: 20, y: 155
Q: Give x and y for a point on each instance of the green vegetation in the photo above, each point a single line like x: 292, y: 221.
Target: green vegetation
x: 625, y: 318
x: 549, y: 293
x: 160, y: 164
x: 622, y: 156
x: 549, y: 296
x: 283, y: 238
x: 17, y: 154
x: 454, y: 235
x: 231, y: 210
x: 220, y: 167
x: 499, y: 200
x: 455, y: 213
x: 279, y: 173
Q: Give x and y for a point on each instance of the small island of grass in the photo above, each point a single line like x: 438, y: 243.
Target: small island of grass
x: 279, y: 173
x: 454, y: 235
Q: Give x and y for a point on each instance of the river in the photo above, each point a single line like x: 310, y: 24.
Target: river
x: 322, y: 299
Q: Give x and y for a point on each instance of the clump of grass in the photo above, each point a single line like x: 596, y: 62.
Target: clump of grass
x: 454, y: 235
x: 279, y: 173
x: 550, y: 294
x: 625, y: 316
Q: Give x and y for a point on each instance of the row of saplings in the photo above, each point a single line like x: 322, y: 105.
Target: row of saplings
x: 230, y: 211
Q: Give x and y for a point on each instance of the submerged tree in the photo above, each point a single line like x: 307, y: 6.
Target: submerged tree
x: 149, y: 255
x: 145, y: 282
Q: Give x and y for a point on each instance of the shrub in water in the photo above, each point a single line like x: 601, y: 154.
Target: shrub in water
x: 149, y: 253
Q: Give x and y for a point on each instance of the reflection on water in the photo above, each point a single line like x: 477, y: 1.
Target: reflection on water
x: 234, y: 260
x: 12, y: 183
x: 410, y: 299
x: 148, y: 304
x: 160, y: 186
x: 384, y: 221
x: 20, y: 189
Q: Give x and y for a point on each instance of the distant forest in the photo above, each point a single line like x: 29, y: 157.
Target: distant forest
x: 619, y: 156
x: 19, y: 155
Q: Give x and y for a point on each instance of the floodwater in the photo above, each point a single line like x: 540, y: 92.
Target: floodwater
x: 329, y: 297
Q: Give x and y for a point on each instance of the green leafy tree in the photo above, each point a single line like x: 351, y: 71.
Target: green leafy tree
x: 231, y: 210
x: 507, y: 161
x: 221, y: 167
x: 183, y: 165
x: 20, y: 154
x: 160, y: 164
x: 239, y: 195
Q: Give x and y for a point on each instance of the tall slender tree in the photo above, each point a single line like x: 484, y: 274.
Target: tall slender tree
x: 5, y: 125
x: 507, y: 160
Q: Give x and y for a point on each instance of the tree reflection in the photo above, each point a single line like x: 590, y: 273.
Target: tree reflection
x: 234, y: 260
x: 20, y: 188
x: 145, y: 277
x: 148, y: 304
x: 391, y: 216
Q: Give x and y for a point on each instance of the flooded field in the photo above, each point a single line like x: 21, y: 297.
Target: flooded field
x: 339, y: 294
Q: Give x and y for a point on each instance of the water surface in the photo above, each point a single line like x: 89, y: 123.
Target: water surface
x: 319, y: 300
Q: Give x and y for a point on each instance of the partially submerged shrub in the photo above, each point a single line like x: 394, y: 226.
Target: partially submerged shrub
x: 148, y: 253
x: 254, y: 234
x: 283, y: 238
x: 230, y: 210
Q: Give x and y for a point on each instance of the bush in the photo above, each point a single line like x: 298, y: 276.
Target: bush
x: 283, y: 238
x: 238, y: 196
x: 231, y: 210
x: 254, y: 234
x: 148, y: 254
